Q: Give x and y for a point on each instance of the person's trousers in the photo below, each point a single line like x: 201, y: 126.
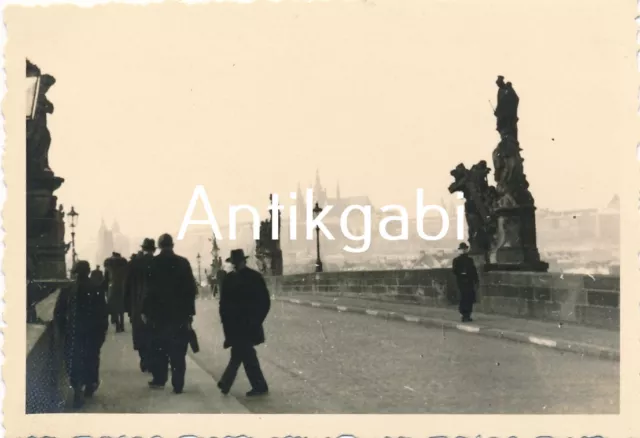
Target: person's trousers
x: 141, y: 342
x: 118, y: 320
x: 244, y: 355
x: 169, y: 347
x: 466, y: 306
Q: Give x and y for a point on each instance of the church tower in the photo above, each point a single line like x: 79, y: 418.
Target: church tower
x: 319, y: 194
x: 300, y: 200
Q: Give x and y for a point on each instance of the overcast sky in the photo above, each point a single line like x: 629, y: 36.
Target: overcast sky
x: 252, y: 99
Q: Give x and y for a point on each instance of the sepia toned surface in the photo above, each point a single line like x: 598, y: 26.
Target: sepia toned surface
x: 375, y: 99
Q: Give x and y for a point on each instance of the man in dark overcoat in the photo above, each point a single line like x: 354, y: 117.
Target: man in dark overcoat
x: 116, y: 269
x: 168, y: 309
x: 97, y: 277
x: 81, y: 315
x: 136, y: 288
x: 466, y: 275
x: 244, y: 305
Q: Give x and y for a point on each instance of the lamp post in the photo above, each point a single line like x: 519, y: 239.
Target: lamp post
x: 316, y: 211
x: 199, y: 276
x: 74, y: 221
x: 33, y: 92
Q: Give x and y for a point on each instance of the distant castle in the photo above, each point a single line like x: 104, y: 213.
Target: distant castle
x: 320, y: 196
x: 111, y: 240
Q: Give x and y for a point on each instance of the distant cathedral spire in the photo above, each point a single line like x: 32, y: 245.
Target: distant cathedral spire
x: 319, y: 194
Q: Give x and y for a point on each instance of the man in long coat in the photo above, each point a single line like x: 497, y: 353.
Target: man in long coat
x: 97, y: 277
x: 116, y: 269
x: 136, y: 288
x: 244, y: 305
x: 81, y: 315
x: 467, y: 278
x: 169, y: 308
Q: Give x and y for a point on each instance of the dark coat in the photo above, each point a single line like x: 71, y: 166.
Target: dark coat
x: 171, y: 296
x: 219, y: 279
x: 244, y: 305
x: 136, y: 287
x: 97, y: 278
x: 116, y: 270
x: 466, y: 276
x: 81, y: 315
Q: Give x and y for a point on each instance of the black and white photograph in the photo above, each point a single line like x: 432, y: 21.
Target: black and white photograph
x: 370, y: 207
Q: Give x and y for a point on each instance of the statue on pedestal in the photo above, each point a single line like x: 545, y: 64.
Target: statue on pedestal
x: 501, y: 219
x: 45, y: 221
x: 268, y: 252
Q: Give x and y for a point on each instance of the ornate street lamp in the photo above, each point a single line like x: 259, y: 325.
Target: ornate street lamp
x: 74, y: 222
x: 32, y: 93
x: 316, y: 211
x: 199, y: 276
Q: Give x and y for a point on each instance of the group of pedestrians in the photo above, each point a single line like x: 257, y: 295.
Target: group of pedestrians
x: 158, y: 294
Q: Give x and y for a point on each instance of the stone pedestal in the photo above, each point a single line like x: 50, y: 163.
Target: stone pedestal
x: 515, y: 248
x: 45, y: 232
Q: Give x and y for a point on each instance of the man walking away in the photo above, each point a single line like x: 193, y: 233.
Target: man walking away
x: 116, y: 267
x: 467, y: 278
x: 81, y: 314
x: 97, y: 277
x: 244, y: 305
x: 136, y: 288
x: 168, y: 308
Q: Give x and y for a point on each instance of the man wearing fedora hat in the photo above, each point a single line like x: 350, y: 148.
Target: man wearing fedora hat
x: 244, y: 305
x: 467, y: 278
x: 136, y: 288
x: 168, y: 308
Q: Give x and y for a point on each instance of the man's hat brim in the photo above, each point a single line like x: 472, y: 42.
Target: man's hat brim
x: 230, y: 260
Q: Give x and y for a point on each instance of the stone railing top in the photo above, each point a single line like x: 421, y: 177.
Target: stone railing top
x: 440, y: 270
x: 45, y: 310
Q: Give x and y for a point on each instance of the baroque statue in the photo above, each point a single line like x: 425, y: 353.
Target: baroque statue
x: 506, y: 111
x: 480, y: 199
x: 501, y: 219
x: 511, y: 182
x: 38, y: 135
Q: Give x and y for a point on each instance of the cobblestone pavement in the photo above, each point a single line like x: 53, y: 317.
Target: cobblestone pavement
x: 322, y: 361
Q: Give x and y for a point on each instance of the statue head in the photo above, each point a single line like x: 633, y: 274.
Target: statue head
x: 500, y: 81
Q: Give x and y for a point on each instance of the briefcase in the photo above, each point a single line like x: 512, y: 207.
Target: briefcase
x: 193, y: 340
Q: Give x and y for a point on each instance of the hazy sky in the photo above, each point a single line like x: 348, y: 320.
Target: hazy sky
x: 383, y: 97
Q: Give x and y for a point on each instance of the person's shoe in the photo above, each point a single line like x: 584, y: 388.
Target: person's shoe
x: 156, y: 385
x: 177, y: 390
x: 257, y: 392
x: 223, y: 389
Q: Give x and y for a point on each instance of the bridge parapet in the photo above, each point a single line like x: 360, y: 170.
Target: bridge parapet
x: 568, y: 298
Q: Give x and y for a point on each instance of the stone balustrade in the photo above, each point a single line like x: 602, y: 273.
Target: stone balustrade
x: 579, y: 299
